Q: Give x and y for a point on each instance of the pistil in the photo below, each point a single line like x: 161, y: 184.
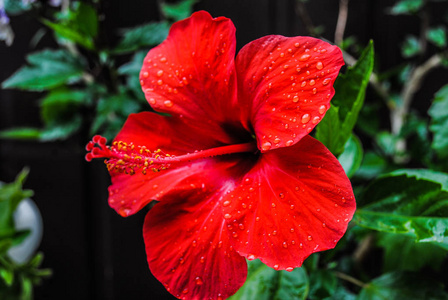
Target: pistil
x: 129, y: 158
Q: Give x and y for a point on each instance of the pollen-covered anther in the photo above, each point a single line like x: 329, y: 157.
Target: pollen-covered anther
x: 126, y: 157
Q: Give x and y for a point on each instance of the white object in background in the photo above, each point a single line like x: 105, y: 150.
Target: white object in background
x: 27, y: 216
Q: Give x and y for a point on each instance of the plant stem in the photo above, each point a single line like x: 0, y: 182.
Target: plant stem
x: 342, y: 22
x: 350, y: 279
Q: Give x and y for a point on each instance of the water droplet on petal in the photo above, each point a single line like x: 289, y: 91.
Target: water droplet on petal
x: 304, y: 57
x: 163, y: 59
x: 276, y: 267
x: 185, y: 291
x: 316, y: 120
x: 145, y: 74
x: 306, y: 118
x: 297, y: 45
x: 326, y: 81
x: 281, y: 195
x: 226, y: 203
x: 266, y: 146
x: 152, y: 101
x: 159, y: 73
x: 276, y: 140
x: 273, y: 204
x: 285, y: 245
x: 251, y: 257
x: 310, y: 238
x: 319, y: 65
x: 322, y: 109
x: 289, y: 269
x: 227, y: 216
x: 289, y: 143
x: 292, y: 229
x: 168, y: 103
x: 199, y: 280
x: 312, y: 82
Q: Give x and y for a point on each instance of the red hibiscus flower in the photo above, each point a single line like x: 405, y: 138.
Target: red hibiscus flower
x: 239, y: 175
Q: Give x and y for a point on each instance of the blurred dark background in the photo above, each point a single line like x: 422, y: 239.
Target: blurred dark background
x: 93, y: 252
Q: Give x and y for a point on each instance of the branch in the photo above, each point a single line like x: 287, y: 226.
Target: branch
x: 350, y: 279
x: 411, y: 87
x: 342, y: 21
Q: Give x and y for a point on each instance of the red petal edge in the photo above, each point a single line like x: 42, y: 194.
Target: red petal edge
x: 192, y: 73
x: 188, y: 247
x: 294, y: 202
x: 285, y: 86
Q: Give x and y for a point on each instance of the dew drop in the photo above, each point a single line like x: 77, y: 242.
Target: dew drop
x: 326, y: 81
x: 289, y: 143
x: 285, y: 245
x: 168, y: 103
x: 292, y: 229
x: 159, y: 73
x: 185, y: 291
x: 199, y: 280
x: 314, y: 91
x: 266, y: 146
x: 295, y: 99
x: 292, y: 206
x: 152, y: 101
x: 304, y: 57
x: 226, y: 203
x: 273, y: 204
x: 322, y: 109
x: 145, y: 74
x: 276, y: 140
x: 163, y: 59
x: 289, y: 269
x: 319, y: 65
x: 316, y: 119
x: 312, y: 82
x: 303, y: 84
x: 297, y: 45
x: 257, y: 219
x: 241, y: 226
x: 310, y: 238
x: 160, y: 82
x: 306, y: 118
x: 281, y: 195
x: 251, y: 257
x: 274, y: 232
x: 276, y: 267
x: 227, y: 216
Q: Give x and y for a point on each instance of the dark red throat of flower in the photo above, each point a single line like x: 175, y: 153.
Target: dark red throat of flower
x: 129, y: 158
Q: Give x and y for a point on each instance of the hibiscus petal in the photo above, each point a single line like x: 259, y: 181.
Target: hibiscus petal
x: 192, y: 73
x: 285, y: 86
x: 188, y: 246
x: 129, y: 193
x: 294, y: 201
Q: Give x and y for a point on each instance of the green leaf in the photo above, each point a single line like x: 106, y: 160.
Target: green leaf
x: 439, y: 122
x: 14, y: 7
x: 323, y: 284
x: 403, y: 286
x: 437, y: 36
x: 406, y: 7
x: 10, y: 196
x: 351, y: 158
x: 7, y: 276
x: 372, y: 165
x: 400, y: 252
x: 60, y: 104
x: 21, y: 134
x: 79, y: 25
x: 143, y: 36
x: 346, y: 104
x: 46, y: 69
x: 265, y: 283
x: 177, y: 11
x: 410, y: 47
x: 61, y: 130
x: 411, y: 202
x: 132, y: 70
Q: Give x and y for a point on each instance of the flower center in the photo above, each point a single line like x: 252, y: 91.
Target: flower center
x: 128, y: 158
